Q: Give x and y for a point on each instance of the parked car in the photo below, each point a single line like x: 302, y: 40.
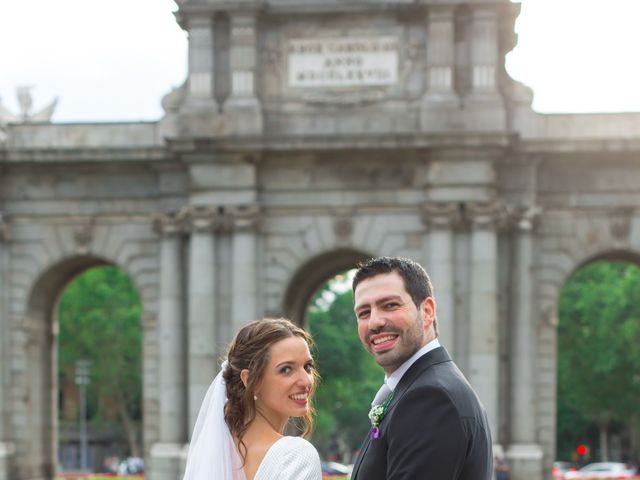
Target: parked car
x: 611, y: 470
x: 334, y: 469
x: 560, y: 468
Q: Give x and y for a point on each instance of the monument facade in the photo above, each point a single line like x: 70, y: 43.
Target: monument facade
x: 309, y: 135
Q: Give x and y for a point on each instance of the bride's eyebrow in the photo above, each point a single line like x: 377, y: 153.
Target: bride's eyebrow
x: 286, y: 362
x: 292, y: 362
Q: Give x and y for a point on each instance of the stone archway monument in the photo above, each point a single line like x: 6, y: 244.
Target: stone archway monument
x: 307, y: 133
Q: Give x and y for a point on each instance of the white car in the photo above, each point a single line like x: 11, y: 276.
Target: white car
x: 612, y: 470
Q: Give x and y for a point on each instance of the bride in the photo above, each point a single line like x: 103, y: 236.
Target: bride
x: 268, y: 377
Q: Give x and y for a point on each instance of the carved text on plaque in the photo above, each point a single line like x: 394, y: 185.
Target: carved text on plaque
x: 342, y: 62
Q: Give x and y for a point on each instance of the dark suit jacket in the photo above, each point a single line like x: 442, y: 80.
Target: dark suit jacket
x: 435, y: 428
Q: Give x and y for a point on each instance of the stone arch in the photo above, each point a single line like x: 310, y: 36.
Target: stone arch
x: 36, y: 421
x: 557, y: 267
x: 38, y: 387
x: 310, y: 276
x: 567, y: 265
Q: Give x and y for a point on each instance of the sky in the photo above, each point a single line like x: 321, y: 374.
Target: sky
x: 114, y: 60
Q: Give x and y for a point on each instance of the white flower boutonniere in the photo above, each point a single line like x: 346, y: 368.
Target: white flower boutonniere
x: 376, y: 414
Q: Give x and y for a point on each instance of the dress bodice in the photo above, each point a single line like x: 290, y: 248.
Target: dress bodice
x: 290, y: 458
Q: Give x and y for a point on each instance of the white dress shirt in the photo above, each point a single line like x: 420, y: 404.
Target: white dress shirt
x: 391, y: 381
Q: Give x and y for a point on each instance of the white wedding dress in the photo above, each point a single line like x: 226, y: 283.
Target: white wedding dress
x: 213, y: 456
x: 290, y: 458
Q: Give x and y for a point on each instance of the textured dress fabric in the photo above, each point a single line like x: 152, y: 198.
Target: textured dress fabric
x: 290, y: 458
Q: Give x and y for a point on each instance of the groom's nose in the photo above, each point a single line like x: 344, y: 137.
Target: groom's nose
x: 377, y: 319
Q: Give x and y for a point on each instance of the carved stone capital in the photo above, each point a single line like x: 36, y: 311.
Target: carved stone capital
x: 489, y: 215
x: 220, y: 219
x: 524, y: 218
x: 243, y: 218
x: 442, y: 215
x: 168, y: 224
x: 200, y: 219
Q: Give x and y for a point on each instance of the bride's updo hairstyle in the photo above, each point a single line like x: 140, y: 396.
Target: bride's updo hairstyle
x: 250, y: 350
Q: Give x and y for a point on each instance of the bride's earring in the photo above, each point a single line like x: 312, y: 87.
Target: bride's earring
x: 255, y: 398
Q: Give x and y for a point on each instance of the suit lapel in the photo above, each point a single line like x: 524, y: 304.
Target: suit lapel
x: 363, y: 451
x: 437, y: 355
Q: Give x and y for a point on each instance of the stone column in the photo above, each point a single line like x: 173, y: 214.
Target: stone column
x: 524, y: 453
x: 483, y: 334
x: 244, y: 272
x: 202, y: 342
x: 484, y: 104
x: 484, y: 49
x: 440, y: 53
x: 243, y: 106
x: 441, y: 219
x: 440, y: 94
x: 6, y: 448
x: 172, y: 367
x: 200, y: 93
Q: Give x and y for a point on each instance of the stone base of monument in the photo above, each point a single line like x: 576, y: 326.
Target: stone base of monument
x: 6, y: 451
x: 439, y: 112
x: 166, y: 461
x: 525, y: 461
x: 484, y: 112
x: 244, y: 116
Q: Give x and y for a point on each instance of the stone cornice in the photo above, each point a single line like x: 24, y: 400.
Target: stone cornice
x: 343, y: 142
x: 274, y: 7
x: 88, y: 155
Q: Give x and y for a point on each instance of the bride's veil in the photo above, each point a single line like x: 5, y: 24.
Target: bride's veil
x: 212, y: 453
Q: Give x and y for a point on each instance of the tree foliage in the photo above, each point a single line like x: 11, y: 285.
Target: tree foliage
x: 598, y: 360
x: 100, y: 321
x: 350, y: 377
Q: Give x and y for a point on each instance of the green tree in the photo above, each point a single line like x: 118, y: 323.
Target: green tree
x: 100, y: 320
x: 350, y: 377
x: 598, y: 338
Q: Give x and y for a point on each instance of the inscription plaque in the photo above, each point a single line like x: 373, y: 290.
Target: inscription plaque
x: 343, y: 62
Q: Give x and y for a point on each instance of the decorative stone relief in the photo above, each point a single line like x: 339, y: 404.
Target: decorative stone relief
x: 83, y: 236
x: 343, y: 227
x: 620, y: 223
x: 4, y: 230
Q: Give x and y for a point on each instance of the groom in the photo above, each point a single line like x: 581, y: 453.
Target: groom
x: 429, y: 423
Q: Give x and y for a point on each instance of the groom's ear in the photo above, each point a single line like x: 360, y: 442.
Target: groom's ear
x: 244, y: 376
x: 428, y: 307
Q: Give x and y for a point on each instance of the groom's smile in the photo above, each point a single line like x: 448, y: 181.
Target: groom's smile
x: 383, y: 341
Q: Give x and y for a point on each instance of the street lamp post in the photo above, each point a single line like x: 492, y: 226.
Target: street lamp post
x: 82, y: 380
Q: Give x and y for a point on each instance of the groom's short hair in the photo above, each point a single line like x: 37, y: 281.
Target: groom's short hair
x: 416, y: 280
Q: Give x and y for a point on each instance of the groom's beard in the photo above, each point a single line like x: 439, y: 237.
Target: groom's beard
x: 408, y: 342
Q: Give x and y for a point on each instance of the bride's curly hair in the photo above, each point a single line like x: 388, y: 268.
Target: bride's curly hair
x: 250, y: 350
